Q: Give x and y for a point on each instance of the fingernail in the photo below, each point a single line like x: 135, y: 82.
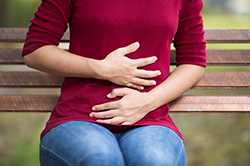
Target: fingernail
x: 125, y: 123
x: 90, y: 115
x: 93, y: 108
x: 141, y: 87
x: 154, y: 82
x: 159, y: 72
x: 109, y: 95
x: 137, y: 43
x: 155, y: 57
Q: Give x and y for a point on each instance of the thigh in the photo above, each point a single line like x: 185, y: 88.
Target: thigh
x: 78, y: 143
x: 152, y: 145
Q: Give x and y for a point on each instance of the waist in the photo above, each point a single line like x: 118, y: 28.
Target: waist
x: 92, y: 91
x: 79, y: 95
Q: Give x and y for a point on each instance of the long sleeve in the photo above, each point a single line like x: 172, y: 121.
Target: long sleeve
x: 48, y: 25
x: 189, y: 40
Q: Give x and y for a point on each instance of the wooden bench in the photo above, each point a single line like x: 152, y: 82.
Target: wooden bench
x: 23, y: 89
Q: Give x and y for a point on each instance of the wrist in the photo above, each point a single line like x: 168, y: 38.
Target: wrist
x: 97, y: 68
x: 151, y: 103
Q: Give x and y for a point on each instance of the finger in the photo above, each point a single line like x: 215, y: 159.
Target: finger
x: 129, y: 49
x: 134, y: 86
x: 120, y: 92
x: 144, y: 82
x: 109, y: 105
x: 126, y: 123
x: 144, y: 61
x: 147, y: 73
x: 115, y: 120
x: 104, y: 114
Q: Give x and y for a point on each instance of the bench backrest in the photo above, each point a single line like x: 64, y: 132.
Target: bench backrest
x: 225, y: 86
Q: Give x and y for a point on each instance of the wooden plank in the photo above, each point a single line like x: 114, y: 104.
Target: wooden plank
x: 19, y: 35
x: 212, y: 35
x: 29, y: 79
x: 45, y: 103
x: 42, y: 79
x: 225, y: 79
x: 31, y: 103
x: 11, y: 56
x: 228, y: 35
x: 231, y: 57
x: 224, y: 57
x: 12, y: 34
x: 211, y: 104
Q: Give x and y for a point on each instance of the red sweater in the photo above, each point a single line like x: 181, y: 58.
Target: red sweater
x: 98, y: 27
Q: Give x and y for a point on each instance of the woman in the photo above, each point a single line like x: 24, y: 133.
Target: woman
x: 113, y: 108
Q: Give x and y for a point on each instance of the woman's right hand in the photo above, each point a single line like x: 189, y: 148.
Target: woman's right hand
x: 119, y: 69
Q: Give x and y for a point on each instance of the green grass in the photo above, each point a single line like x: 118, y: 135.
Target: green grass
x: 27, y: 152
x: 221, y: 21
x: 245, y: 46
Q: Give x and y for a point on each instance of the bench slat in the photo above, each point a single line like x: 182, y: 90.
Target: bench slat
x: 29, y: 79
x: 45, y: 103
x: 11, y: 56
x: 19, y: 35
x: 228, y: 35
x: 228, y: 57
x: 211, y: 104
x: 224, y: 57
x: 237, y: 57
x: 42, y: 79
x: 212, y: 35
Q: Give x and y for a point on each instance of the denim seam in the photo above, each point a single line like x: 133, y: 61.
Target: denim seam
x: 55, y: 154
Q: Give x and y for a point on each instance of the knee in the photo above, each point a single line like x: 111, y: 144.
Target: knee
x: 153, y: 158
x: 102, y: 156
x: 160, y: 158
x: 102, y: 150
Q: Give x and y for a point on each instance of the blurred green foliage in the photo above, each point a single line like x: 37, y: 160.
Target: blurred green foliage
x: 17, y: 13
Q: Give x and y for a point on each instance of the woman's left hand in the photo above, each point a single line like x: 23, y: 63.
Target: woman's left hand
x: 132, y: 107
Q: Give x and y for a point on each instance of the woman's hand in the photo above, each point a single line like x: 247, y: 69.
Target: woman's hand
x: 132, y: 107
x: 118, y: 68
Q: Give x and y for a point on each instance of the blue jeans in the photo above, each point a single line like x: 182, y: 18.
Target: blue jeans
x: 82, y: 143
